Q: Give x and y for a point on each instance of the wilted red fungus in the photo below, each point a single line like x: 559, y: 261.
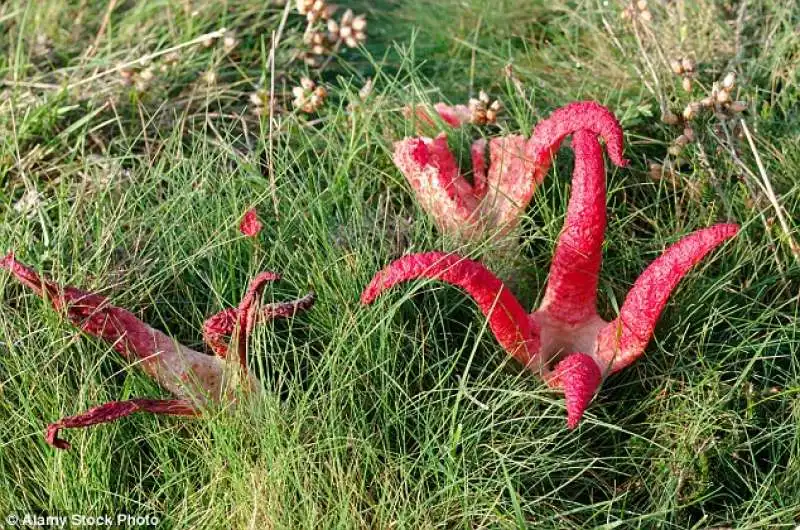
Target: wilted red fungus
x: 195, y: 378
x: 496, y: 199
x: 250, y: 225
x: 565, y: 340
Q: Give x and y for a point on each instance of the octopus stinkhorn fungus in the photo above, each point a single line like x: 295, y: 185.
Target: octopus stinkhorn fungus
x: 565, y: 340
x: 196, y: 379
x: 493, y: 203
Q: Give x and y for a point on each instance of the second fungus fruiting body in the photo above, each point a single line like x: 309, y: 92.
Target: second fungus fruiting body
x: 500, y: 191
x: 564, y: 340
x: 195, y: 378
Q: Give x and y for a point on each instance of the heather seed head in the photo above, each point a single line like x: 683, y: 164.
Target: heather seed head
x: 669, y: 117
x: 729, y: 81
x: 691, y: 111
x: 304, y: 6
x: 482, y: 110
x: 229, y: 41
x: 351, y: 29
x: 308, y: 97
x: 207, y: 42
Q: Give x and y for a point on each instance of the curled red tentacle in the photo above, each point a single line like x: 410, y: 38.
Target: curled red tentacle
x: 109, y: 412
x: 507, y: 319
x: 588, y: 115
x: 623, y: 341
x: 572, y: 285
x: 241, y: 320
x: 217, y: 328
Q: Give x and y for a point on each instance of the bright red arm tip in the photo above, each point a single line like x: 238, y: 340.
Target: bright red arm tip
x: 623, y: 341
x: 588, y: 115
x: 109, y: 412
x: 507, y: 319
x: 579, y: 377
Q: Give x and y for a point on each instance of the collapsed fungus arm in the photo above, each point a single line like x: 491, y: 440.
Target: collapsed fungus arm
x: 110, y: 412
x: 197, y: 379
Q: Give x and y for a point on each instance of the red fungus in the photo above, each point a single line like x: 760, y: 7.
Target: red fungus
x: 497, y: 197
x: 507, y: 319
x: 250, y: 225
x: 196, y: 378
x: 574, y: 347
x: 110, y: 412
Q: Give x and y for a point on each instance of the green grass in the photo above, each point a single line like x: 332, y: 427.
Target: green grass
x: 406, y: 413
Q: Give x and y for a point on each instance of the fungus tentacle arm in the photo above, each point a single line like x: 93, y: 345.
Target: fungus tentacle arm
x: 623, y: 340
x: 579, y: 377
x: 507, y: 319
x: 511, y: 182
x: 571, y: 291
x: 433, y: 173
x: 181, y: 370
x: 549, y: 133
x: 110, y: 412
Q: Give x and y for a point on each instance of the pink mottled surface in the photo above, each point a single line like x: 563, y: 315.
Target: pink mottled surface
x: 500, y: 192
x: 431, y: 170
x: 510, y: 183
x: 455, y: 115
x: 507, y: 319
x: 572, y: 286
x: 250, y: 225
x: 623, y: 341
